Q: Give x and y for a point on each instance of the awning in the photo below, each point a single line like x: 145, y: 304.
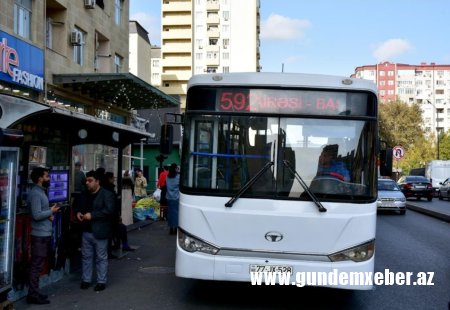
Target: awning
x: 81, y: 128
x: 87, y: 129
x: 122, y: 89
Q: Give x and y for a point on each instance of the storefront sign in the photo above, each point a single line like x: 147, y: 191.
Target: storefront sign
x: 21, y: 63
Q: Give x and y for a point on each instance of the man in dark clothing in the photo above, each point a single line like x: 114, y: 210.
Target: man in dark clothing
x: 95, y: 212
x: 41, y: 232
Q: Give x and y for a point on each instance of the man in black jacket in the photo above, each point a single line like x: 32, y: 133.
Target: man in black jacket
x: 95, y: 211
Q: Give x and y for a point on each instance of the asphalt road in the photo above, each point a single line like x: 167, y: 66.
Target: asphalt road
x: 145, y: 278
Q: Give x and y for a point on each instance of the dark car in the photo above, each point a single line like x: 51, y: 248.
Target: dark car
x: 416, y: 186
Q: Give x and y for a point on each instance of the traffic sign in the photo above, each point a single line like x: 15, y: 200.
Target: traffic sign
x: 398, y: 152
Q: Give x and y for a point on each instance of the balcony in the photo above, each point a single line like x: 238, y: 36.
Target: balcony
x: 177, y: 47
x: 212, y: 6
x: 176, y: 7
x: 176, y: 20
x: 213, y: 62
x: 176, y: 34
x: 177, y: 62
x: 213, y: 33
x: 177, y: 76
x: 213, y: 20
x: 174, y: 88
x: 213, y: 48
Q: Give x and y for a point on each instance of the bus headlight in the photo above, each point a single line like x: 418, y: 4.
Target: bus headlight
x: 358, y: 253
x: 191, y: 244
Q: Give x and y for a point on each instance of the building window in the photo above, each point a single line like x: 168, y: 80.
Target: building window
x: 225, y: 43
x: 211, y: 69
x: 78, y: 50
x: 391, y: 82
x: 212, y: 41
x: 225, y: 55
x: 382, y: 92
x: 226, y: 69
x: 118, y: 11
x: 226, y: 15
x: 22, y: 18
x: 155, y: 63
x: 390, y: 73
x: 225, y: 28
x: 198, y: 69
x: 382, y: 73
x: 155, y: 76
x: 49, y: 33
x: 382, y: 83
x: 198, y: 56
x: 118, y: 61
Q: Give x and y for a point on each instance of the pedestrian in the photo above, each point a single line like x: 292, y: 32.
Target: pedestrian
x: 41, y: 232
x: 95, y: 212
x: 140, y: 185
x: 161, y: 184
x: 127, y: 181
x: 173, y: 196
x: 120, y: 234
x: 79, y: 179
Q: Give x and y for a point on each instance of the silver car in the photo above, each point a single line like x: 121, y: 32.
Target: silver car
x: 390, y: 197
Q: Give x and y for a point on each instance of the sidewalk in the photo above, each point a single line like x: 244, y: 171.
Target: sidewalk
x: 133, y: 279
x: 440, y: 211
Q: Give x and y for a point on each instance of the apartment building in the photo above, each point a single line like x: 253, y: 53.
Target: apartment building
x: 425, y: 84
x: 207, y: 36
x: 140, y: 52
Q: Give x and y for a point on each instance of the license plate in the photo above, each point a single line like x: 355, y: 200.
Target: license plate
x: 419, y: 186
x: 271, y: 268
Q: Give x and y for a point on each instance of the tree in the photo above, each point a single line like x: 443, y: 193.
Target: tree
x: 400, y: 124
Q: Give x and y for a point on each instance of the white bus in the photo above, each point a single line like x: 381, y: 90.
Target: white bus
x: 251, y: 198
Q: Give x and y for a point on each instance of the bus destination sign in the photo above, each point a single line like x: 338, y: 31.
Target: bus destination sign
x: 310, y: 102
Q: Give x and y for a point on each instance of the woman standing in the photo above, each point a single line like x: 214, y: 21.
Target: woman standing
x: 173, y: 196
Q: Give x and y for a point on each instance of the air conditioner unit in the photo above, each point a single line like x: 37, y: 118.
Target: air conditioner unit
x: 89, y: 4
x: 75, y: 37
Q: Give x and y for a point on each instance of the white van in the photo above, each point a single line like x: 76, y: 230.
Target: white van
x: 437, y: 171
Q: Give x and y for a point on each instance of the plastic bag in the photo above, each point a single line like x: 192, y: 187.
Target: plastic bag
x: 157, y: 194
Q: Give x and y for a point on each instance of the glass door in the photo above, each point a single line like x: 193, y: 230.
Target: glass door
x: 9, y: 161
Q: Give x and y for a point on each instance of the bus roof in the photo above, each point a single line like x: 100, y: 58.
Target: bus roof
x: 275, y: 79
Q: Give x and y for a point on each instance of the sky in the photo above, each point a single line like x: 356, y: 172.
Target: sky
x: 334, y: 37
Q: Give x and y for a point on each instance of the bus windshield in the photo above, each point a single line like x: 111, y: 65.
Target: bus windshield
x: 334, y: 157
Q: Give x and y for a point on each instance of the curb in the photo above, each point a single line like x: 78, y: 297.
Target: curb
x: 139, y: 224
x: 431, y: 212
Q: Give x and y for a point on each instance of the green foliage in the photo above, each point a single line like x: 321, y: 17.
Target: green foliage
x: 444, y: 146
x: 400, y: 124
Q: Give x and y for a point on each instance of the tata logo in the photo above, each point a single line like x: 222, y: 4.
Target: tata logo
x: 274, y: 236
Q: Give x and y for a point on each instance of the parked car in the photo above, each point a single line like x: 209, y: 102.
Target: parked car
x: 444, y: 189
x: 390, y: 197
x: 416, y: 186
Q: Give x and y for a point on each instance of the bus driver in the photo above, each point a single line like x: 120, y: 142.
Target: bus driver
x: 329, y: 166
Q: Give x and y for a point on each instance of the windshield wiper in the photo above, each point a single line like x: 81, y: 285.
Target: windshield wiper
x: 247, y: 185
x: 305, y: 187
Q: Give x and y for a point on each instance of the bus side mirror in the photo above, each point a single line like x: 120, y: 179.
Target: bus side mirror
x: 166, y: 141
x: 386, y: 162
